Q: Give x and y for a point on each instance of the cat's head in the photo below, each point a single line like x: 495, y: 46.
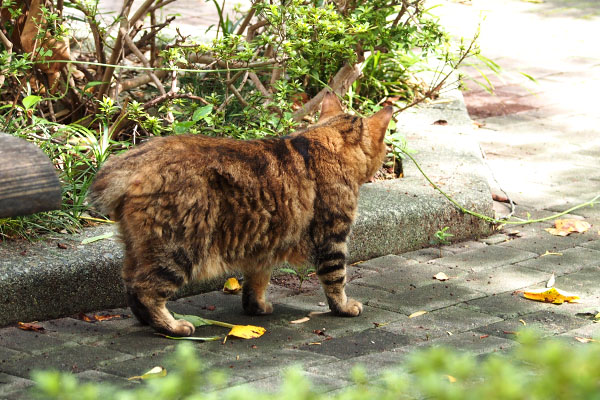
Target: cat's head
x: 361, y: 138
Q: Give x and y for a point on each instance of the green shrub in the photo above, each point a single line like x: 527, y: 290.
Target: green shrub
x: 535, y: 370
x: 255, y: 79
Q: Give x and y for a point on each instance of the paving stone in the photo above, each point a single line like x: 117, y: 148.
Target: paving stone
x: 486, y: 257
x: 358, y: 344
x: 79, y: 331
x: 541, y: 243
x: 10, y: 384
x: 374, y: 364
x: 104, y: 378
x: 461, y: 247
x: 273, y: 385
x: 406, y: 277
x: 140, y: 343
x: 336, y: 326
x: 66, y: 359
x: 582, y: 282
x: 472, y: 342
x: 438, y: 323
x: 507, y: 305
x: 255, y: 365
x: 571, y: 260
x: 386, y: 263
x: 8, y: 354
x: 594, y: 245
x: 495, y: 239
x: 503, y: 279
x: 427, y: 254
x: 28, y: 341
x: 428, y: 298
x: 547, y: 323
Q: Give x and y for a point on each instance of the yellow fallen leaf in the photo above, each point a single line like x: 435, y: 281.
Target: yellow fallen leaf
x: 440, y: 276
x: 523, y: 321
x: 417, y: 313
x: 552, y: 295
x: 156, y: 372
x: 232, y: 286
x: 315, y: 313
x: 564, y: 227
x: 300, y: 321
x: 247, y: 331
x: 451, y: 379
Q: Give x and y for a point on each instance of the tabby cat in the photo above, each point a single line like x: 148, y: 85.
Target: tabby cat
x: 194, y: 207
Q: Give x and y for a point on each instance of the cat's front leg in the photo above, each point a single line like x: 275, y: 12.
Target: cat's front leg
x: 254, y: 298
x: 331, y: 270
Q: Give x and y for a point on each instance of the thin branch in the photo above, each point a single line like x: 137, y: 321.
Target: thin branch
x: 339, y: 85
x: 123, y: 29
x: 261, y: 88
x: 246, y: 20
x: 173, y: 95
x: 8, y: 46
x: 144, y: 61
x: 159, y: 5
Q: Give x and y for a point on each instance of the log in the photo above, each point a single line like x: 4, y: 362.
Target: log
x: 28, y: 180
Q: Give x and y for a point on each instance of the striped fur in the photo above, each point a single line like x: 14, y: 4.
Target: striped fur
x: 193, y: 207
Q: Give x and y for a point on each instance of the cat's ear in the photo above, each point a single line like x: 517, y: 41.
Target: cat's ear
x: 379, y: 122
x: 331, y: 106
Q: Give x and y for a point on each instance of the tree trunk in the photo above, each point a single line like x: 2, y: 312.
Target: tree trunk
x: 28, y: 181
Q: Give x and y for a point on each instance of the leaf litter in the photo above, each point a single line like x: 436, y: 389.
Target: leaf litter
x: 232, y: 286
x: 31, y: 327
x: 239, y: 331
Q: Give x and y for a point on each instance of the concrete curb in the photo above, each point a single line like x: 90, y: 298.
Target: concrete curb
x: 42, y: 280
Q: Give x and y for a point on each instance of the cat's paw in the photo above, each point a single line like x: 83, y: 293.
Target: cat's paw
x: 181, y: 327
x: 256, y: 308
x: 352, y: 308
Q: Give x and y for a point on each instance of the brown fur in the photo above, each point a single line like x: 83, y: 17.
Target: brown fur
x: 193, y: 207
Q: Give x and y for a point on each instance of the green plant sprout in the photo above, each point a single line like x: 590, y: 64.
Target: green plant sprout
x: 302, y: 272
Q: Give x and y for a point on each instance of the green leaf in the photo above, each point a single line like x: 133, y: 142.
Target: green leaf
x: 288, y: 271
x: 183, y: 127
x: 193, y: 319
x: 92, y: 84
x: 202, y: 112
x: 194, y: 338
x: 30, y: 101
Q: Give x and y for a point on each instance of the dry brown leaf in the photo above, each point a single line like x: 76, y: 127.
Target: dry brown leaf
x: 97, y: 318
x: 300, y: 321
x: 417, y: 314
x: 232, y: 286
x: 564, y: 227
x: 440, y: 276
x: 552, y: 295
x: 31, y: 327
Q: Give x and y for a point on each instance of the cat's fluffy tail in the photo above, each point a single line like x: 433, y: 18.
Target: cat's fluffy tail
x: 108, y: 189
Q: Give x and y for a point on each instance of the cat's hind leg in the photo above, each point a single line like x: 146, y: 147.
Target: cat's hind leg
x: 254, y: 298
x: 331, y: 270
x: 148, y: 289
